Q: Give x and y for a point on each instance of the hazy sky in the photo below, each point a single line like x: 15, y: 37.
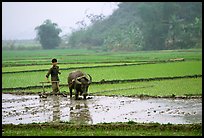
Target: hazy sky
x: 20, y: 18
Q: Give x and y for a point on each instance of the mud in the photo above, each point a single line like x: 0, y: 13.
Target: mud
x: 23, y: 109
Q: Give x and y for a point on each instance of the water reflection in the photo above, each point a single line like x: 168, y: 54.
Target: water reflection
x: 56, y: 108
x: 43, y: 105
x: 79, y: 112
x: 76, y: 111
x: 28, y: 109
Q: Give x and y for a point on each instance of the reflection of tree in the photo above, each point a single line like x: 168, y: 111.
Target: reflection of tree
x: 56, y: 108
x: 79, y: 112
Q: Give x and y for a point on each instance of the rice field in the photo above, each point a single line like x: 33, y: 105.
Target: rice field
x: 75, y: 56
x: 26, y: 68
x: 142, y: 74
x: 179, y: 87
x: 108, y: 73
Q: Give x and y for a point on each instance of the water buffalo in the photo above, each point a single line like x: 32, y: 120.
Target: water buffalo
x: 79, y: 81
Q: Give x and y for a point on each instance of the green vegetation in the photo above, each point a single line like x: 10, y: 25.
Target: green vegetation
x: 132, y: 29
x: 178, y: 87
x: 102, y: 67
x: 109, y: 73
x: 133, y: 26
x: 62, y: 66
x: 76, y: 56
x: 48, y: 34
x: 128, y: 70
x: 142, y: 26
x: 106, y: 129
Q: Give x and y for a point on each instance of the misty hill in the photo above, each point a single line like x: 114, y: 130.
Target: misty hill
x: 144, y: 26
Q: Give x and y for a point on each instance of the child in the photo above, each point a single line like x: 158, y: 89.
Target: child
x: 54, y: 71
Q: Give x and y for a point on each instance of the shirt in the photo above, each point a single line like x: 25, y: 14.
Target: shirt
x: 54, y: 71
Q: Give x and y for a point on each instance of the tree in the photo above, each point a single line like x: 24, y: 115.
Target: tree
x: 143, y: 26
x: 48, y: 34
x: 170, y: 25
x: 185, y: 26
x: 154, y: 30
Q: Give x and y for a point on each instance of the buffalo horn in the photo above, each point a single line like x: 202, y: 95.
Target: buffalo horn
x: 90, y: 80
x: 78, y: 82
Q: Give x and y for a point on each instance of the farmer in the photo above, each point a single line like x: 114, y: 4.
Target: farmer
x: 54, y: 71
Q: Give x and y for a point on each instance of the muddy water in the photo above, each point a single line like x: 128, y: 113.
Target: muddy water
x: 18, y: 109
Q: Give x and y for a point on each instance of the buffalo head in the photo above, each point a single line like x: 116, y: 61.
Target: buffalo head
x: 84, y: 82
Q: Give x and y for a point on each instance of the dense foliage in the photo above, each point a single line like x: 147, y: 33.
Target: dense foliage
x: 143, y: 26
x: 48, y: 34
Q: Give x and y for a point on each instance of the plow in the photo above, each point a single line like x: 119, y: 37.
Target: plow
x: 44, y: 94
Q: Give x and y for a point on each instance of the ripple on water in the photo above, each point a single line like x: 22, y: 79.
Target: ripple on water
x: 24, y: 109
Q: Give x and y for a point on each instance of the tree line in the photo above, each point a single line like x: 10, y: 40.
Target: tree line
x: 144, y: 26
x: 133, y: 26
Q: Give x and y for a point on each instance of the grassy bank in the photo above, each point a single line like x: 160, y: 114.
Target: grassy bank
x: 109, y: 129
x: 178, y: 87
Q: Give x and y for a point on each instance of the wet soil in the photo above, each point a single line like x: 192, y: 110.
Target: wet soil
x: 24, y: 109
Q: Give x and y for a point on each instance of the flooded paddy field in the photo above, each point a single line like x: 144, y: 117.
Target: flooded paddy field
x: 24, y: 109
